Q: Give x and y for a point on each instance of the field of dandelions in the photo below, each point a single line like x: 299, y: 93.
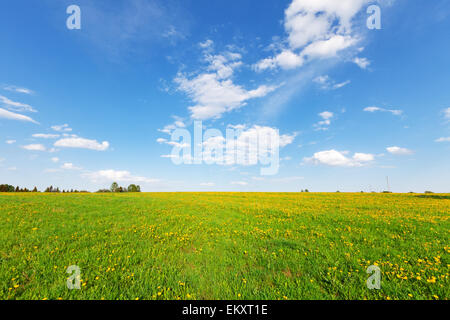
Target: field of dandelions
x: 224, y: 245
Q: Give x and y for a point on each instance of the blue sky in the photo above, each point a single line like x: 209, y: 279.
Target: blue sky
x: 83, y: 108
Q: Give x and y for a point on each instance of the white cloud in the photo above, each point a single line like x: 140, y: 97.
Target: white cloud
x: 55, y: 159
x: 213, y: 92
x: 16, y: 106
x: 336, y: 158
x: 287, y: 179
x: 18, y: 89
x: 207, y: 44
x: 45, y: 136
x: 170, y: 127
x: 62, y: 128
x: 399, y: 151
x: 363, y: 63
x: 447, y: 113
x: 34, y: 147
x: 11, y: 141
x: 326, y: 122
x: 12, y: 169
x: 239, y: 183
x: 286, y: 60
x: 170, y: 156
x: 207, y: 184
x: 249, y: 146
x: 15, y: 116
x: 316, y: 29
x: 447, y: 139
x: 82, y: 143
x: 328, y: 48
x: 327, y: 83
x: 377, y: 109
x: 69, y: 166
x: 118, y: 176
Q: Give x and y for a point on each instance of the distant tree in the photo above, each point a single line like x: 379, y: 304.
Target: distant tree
x: 306, y: 190
x: 6, y: 188
x: 114, y: 187
x: 35, y: 189
x: 429, y: 192
x: 134, y: 188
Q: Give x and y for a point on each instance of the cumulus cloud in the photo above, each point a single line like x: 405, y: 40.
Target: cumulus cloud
x: 82, y: 143
x: 213, y: 91
x: 34, y: 147
x: 10, y: 141
x: 247, y: 147
x: 55, y: 159
x: 15, y: 106
x: 317, y: 29
x: 336, y: 158
x: 399, y: 151
x: 117, y: 176
x: 15, y: 116
x: 377, y: 109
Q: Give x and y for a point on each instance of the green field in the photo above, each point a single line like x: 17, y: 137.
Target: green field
x: 224, y: 245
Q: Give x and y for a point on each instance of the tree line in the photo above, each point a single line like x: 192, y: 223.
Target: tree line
x: 114, y: 188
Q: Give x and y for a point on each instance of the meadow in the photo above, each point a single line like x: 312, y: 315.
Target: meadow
x: 224, y: 245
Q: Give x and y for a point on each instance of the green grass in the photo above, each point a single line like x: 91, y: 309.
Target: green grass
x: 224, y: 245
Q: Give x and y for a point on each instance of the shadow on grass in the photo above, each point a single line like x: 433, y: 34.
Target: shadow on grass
x: 434, y: 197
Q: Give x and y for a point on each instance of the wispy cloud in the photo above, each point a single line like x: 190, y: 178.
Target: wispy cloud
x: 15, y: 116
x: 62, y: 128
x: 327, y: 83
x: 45, y: 136
x: 118, y: 176
x: 377, y: 109
x: 363, y: 63
x: 15, y: 106
x: 70, y: 166
x: 18, y: 89
x: 34, y: 147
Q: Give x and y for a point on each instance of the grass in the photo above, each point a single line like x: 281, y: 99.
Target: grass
x: 224, y: 245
